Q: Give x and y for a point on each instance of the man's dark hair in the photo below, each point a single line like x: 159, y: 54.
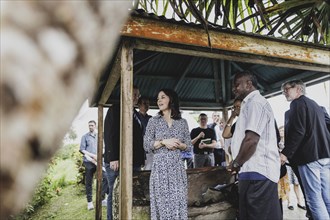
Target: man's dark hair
x: 174, y: 103
x: 252, y: 77
x: 92, y: 121
x: 141, y: 99
x: 202, y: 115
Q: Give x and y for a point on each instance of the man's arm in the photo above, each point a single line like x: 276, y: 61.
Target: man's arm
x: 327, y: 118
x: 111, y: 133
x: 195, y: 137
x: 82, y: 144
x: 296, y: 128
x: 248, y: 147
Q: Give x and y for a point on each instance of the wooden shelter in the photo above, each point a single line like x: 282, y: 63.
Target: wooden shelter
x: 155, y: 52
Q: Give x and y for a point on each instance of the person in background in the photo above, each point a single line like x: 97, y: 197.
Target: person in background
x: 229, y: 129
x: 88, y: 147
x: 255, y: 152
x: 187, y: 158
x: 291, y: 179
x: 143, y: 105
x: 204, y: 141
x: 167, y: 135
x: 219, y: 152
x: 230, y: 126
x: 307, y: 147
x: 112, y: 145
x: 283, y: 183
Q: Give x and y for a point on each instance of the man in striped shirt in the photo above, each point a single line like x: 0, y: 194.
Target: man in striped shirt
x: 255, y: 152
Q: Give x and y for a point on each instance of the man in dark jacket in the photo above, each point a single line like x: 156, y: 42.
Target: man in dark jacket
x: 112, y: 144
x: 307, y: 146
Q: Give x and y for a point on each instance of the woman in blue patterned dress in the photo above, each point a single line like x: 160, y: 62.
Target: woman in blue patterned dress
x: 167, y: 134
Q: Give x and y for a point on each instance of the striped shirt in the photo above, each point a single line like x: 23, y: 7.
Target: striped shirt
x: 257, y: 115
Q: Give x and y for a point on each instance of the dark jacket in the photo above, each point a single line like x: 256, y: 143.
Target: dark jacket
x: 112, y: 137
x: 307, y: 138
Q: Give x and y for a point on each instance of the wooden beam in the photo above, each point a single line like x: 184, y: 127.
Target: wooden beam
x: 229, y: 55
x: 225, y: 114
x: 138, y: 65
x: 112, y: 80
x: 126, y: 134
x: 165, y: 77
x: 183, y: 75
x: 223, y: 79
x: 217, y: 84
x: 226, y: 40
x: 98, y: 211
x: 309, y: 80
x: 228, y: 83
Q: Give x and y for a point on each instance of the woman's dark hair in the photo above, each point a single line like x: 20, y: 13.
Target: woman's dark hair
x: 173, y: 104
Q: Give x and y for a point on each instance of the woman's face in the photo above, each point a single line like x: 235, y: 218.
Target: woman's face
x: 237, y: 107
x: 163, y: 101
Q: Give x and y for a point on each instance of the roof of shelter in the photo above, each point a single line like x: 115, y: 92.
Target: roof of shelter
x: 175, y: 54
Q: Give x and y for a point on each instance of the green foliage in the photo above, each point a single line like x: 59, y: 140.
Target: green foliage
x: 70, y: 204
x: 60, y: 174
x: 71, y: 135
x: 66, y: 152
x: 41, y: 196
x: 78, y: 159
x: 303, y: 20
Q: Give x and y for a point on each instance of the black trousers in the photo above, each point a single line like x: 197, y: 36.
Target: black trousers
x: 190, y: 163
x: 90, y: 169
x: 219, y: 156
x: 258, y: 199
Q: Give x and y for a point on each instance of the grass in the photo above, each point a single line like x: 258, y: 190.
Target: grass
x: 70, y: 204
x: 69, y: 200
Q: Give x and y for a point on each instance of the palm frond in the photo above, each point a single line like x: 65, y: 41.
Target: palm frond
x: 303, y: 20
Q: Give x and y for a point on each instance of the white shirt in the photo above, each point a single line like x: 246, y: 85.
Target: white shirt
x: 257, y: 115
x: 218, y: 134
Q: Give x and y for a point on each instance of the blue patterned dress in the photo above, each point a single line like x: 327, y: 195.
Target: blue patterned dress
x: 168, y: 178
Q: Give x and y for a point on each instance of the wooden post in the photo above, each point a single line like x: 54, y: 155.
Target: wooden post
x: 98, y: 211
x: 126, y: 128
x: 225, y: 114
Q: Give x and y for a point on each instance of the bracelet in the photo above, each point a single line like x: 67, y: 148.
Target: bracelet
x: 228, y: 125
x: 236, y: 164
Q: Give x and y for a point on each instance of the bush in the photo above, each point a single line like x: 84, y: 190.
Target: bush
x: 55, y: 180
x: 41, y: 196
x: 78, y: 158
x: 66, y: 152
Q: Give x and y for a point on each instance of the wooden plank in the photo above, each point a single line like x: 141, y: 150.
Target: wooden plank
x: 228, y: 83
x: 230, y: 55
x: 225, y: 114
x: 126, y: 137
x: 183, y: 75
x: 223, y: 79
x: 112, y: 80
x: 217, y: 83
x: 98, y: 212
x: 226, y: 40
